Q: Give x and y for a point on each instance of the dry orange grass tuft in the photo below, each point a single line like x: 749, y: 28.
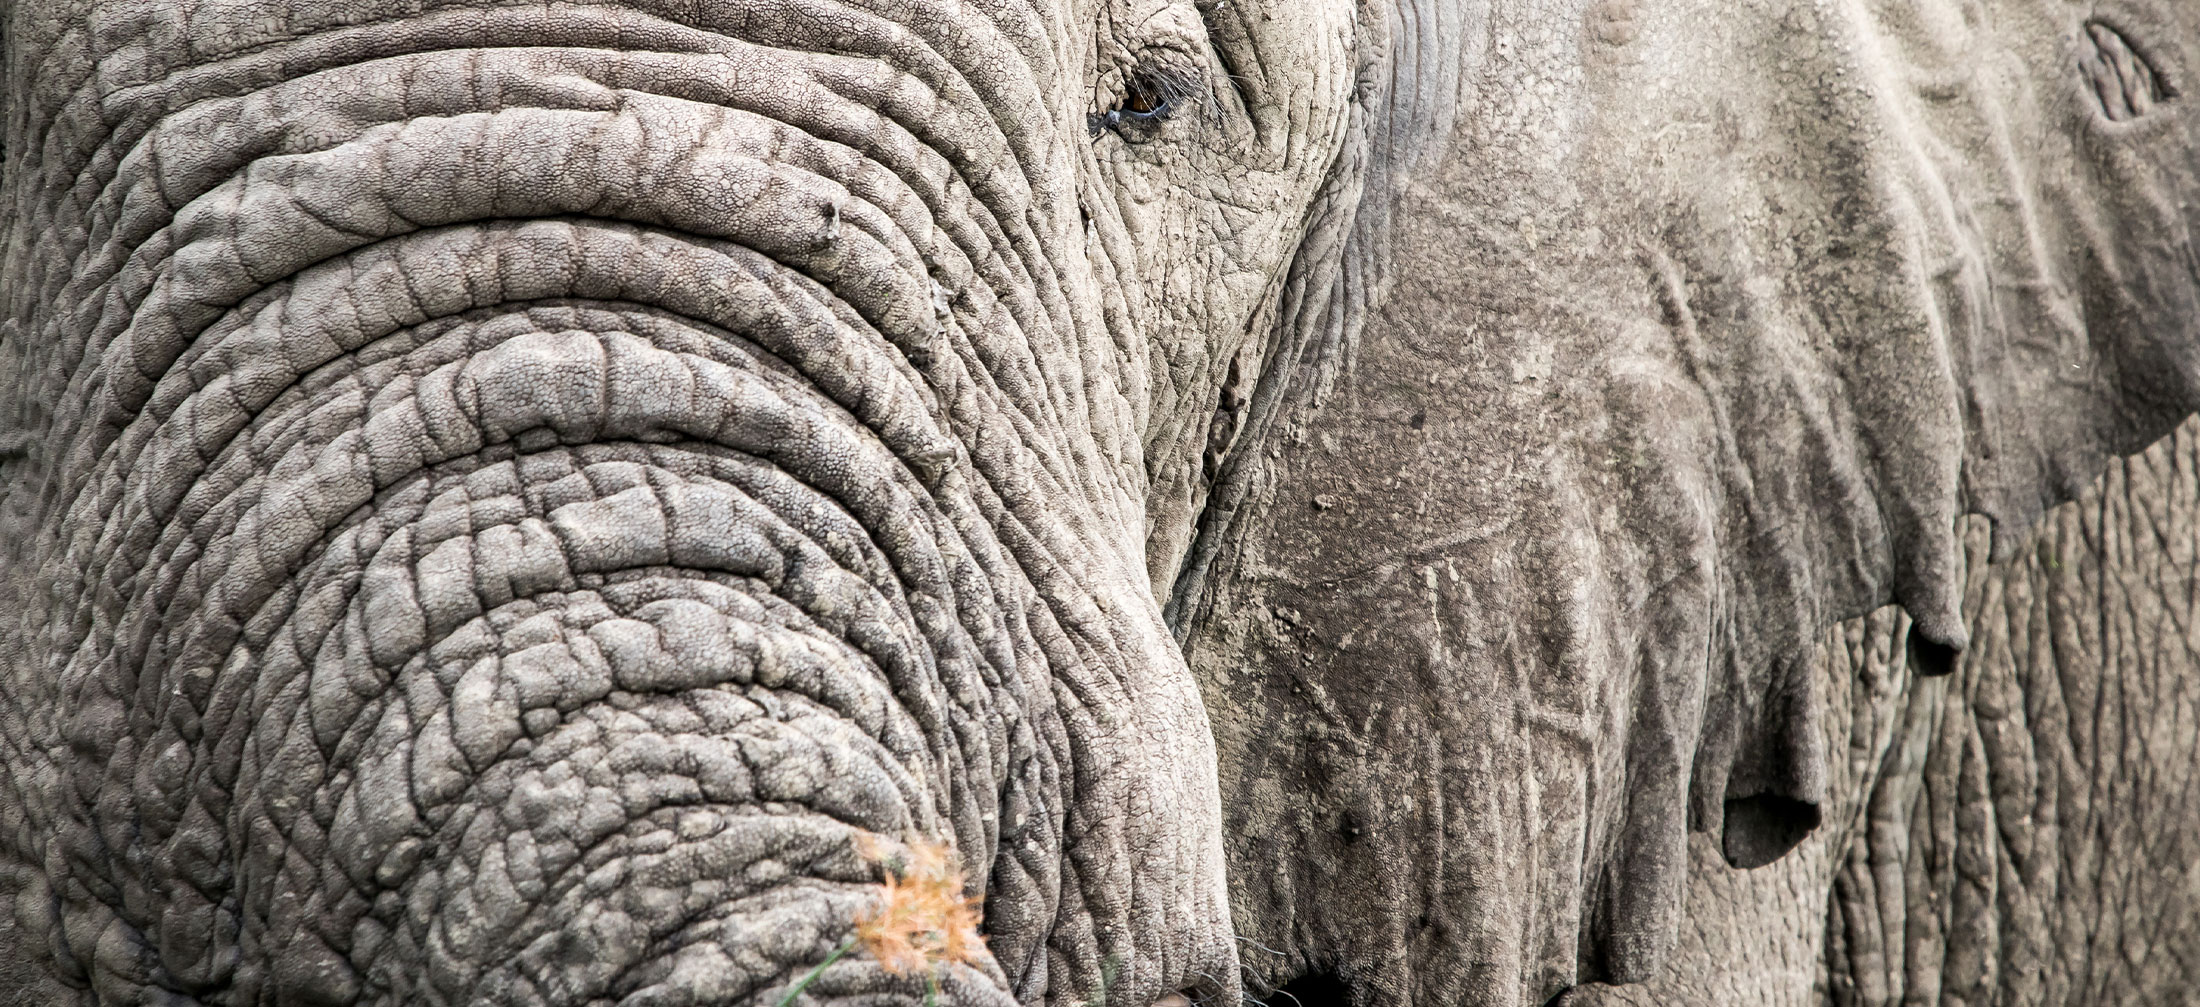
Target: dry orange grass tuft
x: 922, y: 919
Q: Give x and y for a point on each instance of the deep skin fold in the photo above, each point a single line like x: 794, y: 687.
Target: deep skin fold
x: 410, y: 406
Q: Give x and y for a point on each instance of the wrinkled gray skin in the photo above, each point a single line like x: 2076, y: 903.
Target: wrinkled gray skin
x: 500, y: 498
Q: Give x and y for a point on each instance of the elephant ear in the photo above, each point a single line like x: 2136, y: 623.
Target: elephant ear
x: 2076, y: 318
x: 1945, y: 266
x: 1703, y: 330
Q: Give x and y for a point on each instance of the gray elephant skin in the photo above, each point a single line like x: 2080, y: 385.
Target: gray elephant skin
x: 534, y: 503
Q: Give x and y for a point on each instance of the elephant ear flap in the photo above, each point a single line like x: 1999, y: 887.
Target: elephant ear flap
x: 2071, y: 304
x: 2007, y: 281
x: 2101, y: 369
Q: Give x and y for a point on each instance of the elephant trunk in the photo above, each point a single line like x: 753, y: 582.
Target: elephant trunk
x: 578, y: 589
x: 545, y: 514
x: 594, y: 707
x: 604, y: 719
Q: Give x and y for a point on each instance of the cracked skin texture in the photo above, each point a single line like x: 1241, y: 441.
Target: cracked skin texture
x: 499, y: 501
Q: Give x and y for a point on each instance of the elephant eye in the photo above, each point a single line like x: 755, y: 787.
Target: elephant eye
x: 1145, y: 101
x: 1151, y: 94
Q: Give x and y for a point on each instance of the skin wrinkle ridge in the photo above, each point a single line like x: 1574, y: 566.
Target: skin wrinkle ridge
x: 393, y: 490
x: 438, y: 319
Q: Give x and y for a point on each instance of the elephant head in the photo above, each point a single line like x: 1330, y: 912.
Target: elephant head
x: 1685, y: 329
x: 531, y: 503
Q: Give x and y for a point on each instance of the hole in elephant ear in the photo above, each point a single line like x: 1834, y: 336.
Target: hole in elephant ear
x: 1775, y: 778
x: 1930, y: 657
x: 1761, y: 828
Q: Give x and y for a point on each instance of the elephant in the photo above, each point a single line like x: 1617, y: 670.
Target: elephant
x: 576, y: 503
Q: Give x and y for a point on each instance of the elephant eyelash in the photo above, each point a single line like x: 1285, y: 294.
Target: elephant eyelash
x: 1153, y: 92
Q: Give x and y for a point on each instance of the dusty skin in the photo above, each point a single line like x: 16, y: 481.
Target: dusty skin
x: 724, y: 502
